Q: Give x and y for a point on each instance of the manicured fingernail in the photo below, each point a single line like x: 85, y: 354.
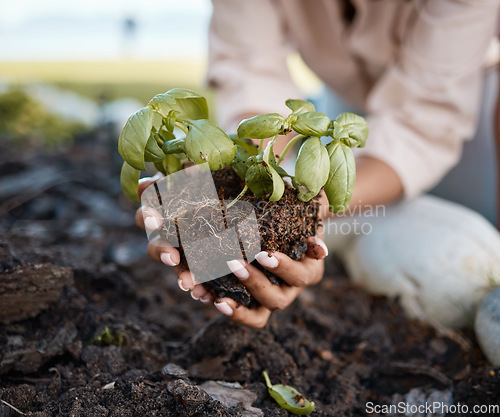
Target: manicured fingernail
x: 206, y: 299
x: 167, y: 259
x: 238, y: 269
x: 151, y: 223
x: 319, y: 242
x: 194, y: 297
x: 155, y: 177
x: 179, y: 283
x: 224, y: 308
x: 265, y: 260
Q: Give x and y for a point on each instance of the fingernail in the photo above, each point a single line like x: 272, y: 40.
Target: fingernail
x: 238, y: 269
x: 151, y: 223
x: 193, y: 297
x: 179, y: 283
x: 224, y: 308
x: 206, y: 299
x: 167, y: 259
x: 265, y: 260
x: 155, y: 177
x: 319, y: 242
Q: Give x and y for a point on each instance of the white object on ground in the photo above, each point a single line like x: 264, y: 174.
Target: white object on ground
x: 487, y: 327
x: 118, y: 111
x: 439, y: 257
x: 67, y: 104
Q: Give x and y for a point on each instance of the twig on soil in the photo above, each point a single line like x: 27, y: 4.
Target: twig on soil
x: 452, y: 334
x: 14, y: 408
x: 422, y: 370
x: 32, y: 380
x: 21, y: 199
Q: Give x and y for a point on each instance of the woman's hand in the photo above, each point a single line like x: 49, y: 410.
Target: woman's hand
x: 297, y: 274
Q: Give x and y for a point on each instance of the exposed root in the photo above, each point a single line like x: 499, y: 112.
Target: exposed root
x: 14, y: 408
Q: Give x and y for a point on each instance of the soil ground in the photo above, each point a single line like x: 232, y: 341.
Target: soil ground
x: 123, y: 340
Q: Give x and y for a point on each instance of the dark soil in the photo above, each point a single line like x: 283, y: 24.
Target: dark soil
x: 123, y: 340
x: 192, y: 217
x: 284, y: 226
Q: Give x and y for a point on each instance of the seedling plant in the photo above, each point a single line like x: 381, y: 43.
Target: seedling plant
x: 174, y: 130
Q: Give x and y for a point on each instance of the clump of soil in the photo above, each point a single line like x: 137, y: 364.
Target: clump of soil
x: 197, y: 222
x: 284, y: 226
x: 338, y: 345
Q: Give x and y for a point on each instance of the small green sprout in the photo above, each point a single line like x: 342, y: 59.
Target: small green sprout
x: 174, y: 129
x: 109, y: 337
x: 289, y: 398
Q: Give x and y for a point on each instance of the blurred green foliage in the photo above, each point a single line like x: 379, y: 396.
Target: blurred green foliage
x: 25, y: 121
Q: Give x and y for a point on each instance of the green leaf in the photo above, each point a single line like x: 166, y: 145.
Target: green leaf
x: 340, y: 183
x: 262, y: 126
x: 311, y: 169
x: 356, y: 129
x: 169, y: 165
x: 206, y: 142
x: 244, y: 150
x: 173, y: 146
x: 338, y: 131
x: 300, y: 106
x: 134, y: 138
x: 166, y: 135
x: 157, y: 120
x: 311, y: 124
x: 259, y: 180
x: 249, y: 147
x: 278, y: 184
x: 239, y: 162
x: 190, y: 105
x: 153, y: 152
x: 289, y: 398
x: 129, y: 180
x: 169, y: 121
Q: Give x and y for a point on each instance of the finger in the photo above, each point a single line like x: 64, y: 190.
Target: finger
x: 147, y: 181
x: 148, y: 218
x: 273, y: 297
x: 308, y: 271
x: 185, y: 278
x: 253, y: 317
x: 199, y: 292
x: 162, y: 251
x: 316, y: 248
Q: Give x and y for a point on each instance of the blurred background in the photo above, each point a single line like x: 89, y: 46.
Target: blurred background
x: 96, y: 62
x: 71, y: 73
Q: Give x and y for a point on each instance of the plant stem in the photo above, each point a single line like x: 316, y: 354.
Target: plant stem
x: 238, y: 197
x: 268, y: 381
x: 159, y: 141
x: 182, y: 127
x: 261, y: 145
x: 288, y: 146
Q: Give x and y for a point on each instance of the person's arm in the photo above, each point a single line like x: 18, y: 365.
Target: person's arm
x: 376, y: 184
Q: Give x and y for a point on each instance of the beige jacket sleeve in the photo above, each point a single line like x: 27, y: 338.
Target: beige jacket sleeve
x: 420, y: 109
x: 247, y: 65
x: 426, y: 103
